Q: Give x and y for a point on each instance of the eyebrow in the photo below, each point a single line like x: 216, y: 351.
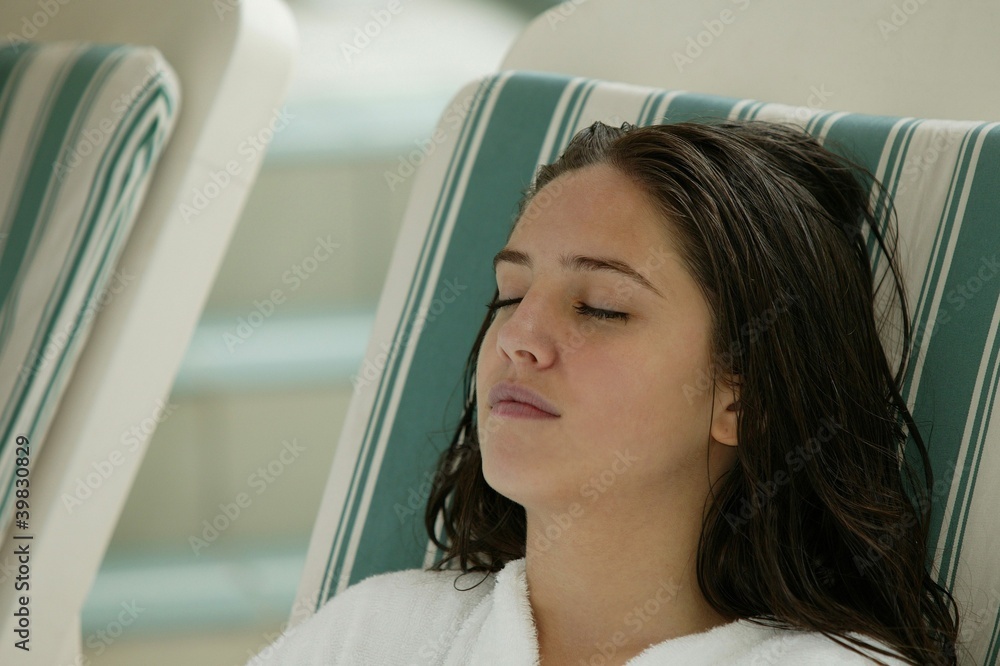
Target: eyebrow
x: 580, y: 263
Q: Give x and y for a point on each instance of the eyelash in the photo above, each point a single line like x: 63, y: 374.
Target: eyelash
x: 584, y: 310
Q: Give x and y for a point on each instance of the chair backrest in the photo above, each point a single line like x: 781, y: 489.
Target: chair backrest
x: 409, y: 392
x: 890, y: 57
x: 233, y: 62
x: 68, y: 210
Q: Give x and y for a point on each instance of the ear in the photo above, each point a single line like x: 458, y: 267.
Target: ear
x: 725, y: 412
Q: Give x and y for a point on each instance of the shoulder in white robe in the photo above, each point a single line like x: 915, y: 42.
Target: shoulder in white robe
x: 418, y: 617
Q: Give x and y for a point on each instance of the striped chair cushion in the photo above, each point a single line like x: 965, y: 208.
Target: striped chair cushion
x: 944, y: 175
x: 81, y: 128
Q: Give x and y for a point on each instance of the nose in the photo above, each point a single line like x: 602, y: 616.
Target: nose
x: 525, y: 336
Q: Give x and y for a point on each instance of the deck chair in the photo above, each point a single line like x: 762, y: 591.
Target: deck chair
x: 943, y: 175
x: 114, y: 118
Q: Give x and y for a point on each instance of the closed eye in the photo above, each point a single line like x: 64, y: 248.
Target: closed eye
x: 583, y: 309
x: 601, y: 314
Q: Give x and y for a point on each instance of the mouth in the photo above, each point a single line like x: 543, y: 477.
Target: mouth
x: 519, y: 410
x: 515, y: 400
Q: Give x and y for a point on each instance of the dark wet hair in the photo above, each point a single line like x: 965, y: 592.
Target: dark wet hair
x: 822, y: 523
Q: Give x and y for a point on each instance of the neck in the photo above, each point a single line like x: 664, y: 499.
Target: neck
x: 602, y: 579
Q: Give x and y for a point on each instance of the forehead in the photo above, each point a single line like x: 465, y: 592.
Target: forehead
x: 595, y: 208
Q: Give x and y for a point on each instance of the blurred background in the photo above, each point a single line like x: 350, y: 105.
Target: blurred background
x: 246, y: 438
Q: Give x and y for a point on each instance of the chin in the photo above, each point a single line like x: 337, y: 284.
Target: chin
x: 505, y: 471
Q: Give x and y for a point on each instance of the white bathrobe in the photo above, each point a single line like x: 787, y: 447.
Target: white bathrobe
x: 418, y: 617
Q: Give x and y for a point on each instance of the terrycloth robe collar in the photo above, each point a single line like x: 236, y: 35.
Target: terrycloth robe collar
x: 501, y: 630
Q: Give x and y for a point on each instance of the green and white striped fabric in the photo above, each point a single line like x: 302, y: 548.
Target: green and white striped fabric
x: 81, y: 128
x: 944, y: 175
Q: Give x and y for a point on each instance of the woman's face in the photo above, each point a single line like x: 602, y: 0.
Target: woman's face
x: 633, y: 399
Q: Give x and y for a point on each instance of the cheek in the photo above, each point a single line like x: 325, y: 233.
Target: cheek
x: 652, y: 411
x: 650, y: 386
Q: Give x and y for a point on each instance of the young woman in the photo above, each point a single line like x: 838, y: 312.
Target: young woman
x: 684, y: 442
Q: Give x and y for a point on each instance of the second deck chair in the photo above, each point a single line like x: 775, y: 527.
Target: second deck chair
x: 943, y: 174
x: 91, y: 421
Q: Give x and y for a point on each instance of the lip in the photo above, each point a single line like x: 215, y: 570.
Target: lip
x: 510, y: 399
